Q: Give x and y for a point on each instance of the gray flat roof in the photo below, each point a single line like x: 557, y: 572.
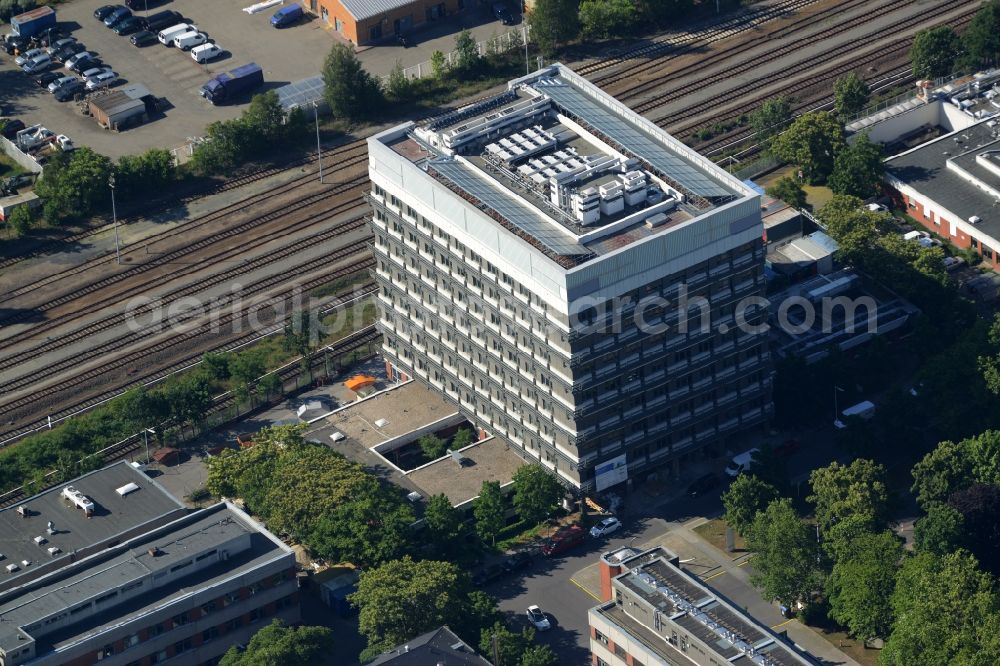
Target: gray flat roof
x: 176, y: 543
x: 113, y: 515
x: 925, y: 169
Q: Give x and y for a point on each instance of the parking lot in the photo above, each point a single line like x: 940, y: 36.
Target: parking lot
x: 285, y: 55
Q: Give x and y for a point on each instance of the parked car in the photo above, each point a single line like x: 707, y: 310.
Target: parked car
x: 605, y: 527
x: 117, y: 16
x: 740, y: 463
x: 166, y: 36
x: 563, y: 540
x: 102, y: 12
x: 522, y: 559
x: 43, y: 80
x: 538, y: 618
x: 60, y: 82
x: 65, y: 143
x: 85, y: 64
x: 488, y: 574
x: 186, y: 40
x: 129, y: 25
x: 15, y: 43
x: 103, y: 80
x: 11, y: 126
x: 142, y: 38
x: 77, y: 57
x: 37, y: 64
x: 702, y: 485
x: 68, y: 51
x: 94, y: 71
x: 69, y: 91
x: 788, y: 447
x: 205, y: 52
x: 953, y: 263
x: 57, y: 45
x: 502, y: 13
x: 22, y: 59
x: 287, y: 16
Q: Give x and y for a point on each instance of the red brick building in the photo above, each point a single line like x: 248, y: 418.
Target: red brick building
x: 369, y: 21
x: 951, y: 185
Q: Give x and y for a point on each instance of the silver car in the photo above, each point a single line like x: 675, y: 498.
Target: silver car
x: 60, y: 82
x: 102, y: 80
x: 23, y: 59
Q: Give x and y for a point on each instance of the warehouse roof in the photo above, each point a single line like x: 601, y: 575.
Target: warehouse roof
x: 436, y: 647
x: 366, y: 9
x: 118, y: 103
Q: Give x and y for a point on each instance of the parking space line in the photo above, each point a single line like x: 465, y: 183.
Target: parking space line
x: 778, y: 626
x: 715, y: 575
x: 596, y: 598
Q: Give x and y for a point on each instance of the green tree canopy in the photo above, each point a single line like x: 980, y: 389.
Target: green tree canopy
x: 372, y: 527
x: 432, y: 446
x: 278, y: 645
x: 845, y: 491
x: 744, y: 499
x: 539, y: 655
x: 858, y: 169
x: 788, y: 190
x: 941, y: 605
x: 784, y: 554
x: 861, y: 584
x: 509, y: 646
x: 405, y: 598
x: 934, y: 52
x: 989, y: 364
x: 351, y: 92
x: 981, y: 39
x: 939, y: 532
x: 601, y: 19
x: 138, y: 175
x: 941, y: 472
x: 850, y: 94
x: 444, y: 523
x: 74, y: 184
x: 467, y: 54
x: 811, y: 142
x: 771, y: 118
x: 536, y: 493
x: 488, y: 509
x: 979, y: 505
x: 554, y: 22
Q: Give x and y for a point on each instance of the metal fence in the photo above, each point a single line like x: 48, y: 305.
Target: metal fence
x: 23, y: 159
x: 503, y: 43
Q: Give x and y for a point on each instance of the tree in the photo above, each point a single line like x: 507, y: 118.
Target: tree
x: 600, y: 19
x: 9, y: 8
x: 397, y: 86
x: 509, y: 646
x: 72, y: 185
x: 350, y: 91
x: 858, y: 168
x: 246, y: 367
x: 138, y: 175
x: 439, y: 66
x: 940, y: 531
x: 278, y: 645
x: 226, y: 145
x: 746, y: 497
x: 20, y: 220
x: 488, y: 509
x: 788, y: 190
x: 265, y: 121
x: 784, y: 554
x: 444, y: 523
x: 536, y: 493
x: 216, y: 364
x: 981, y: 39
x: 373, y: 527
x: 188, y: 397
x: 432, y: 446
x: 843, y: 491
x: 940, y: 473
x: 270, y: 384
x: 467, y: 54
x: 979, y: 505
x: 554, y: 22
x: 984, y: 450
x: 539, y: 655
x: 861, y: 585
x: 139, y: 408
x: 405, y: 598
x: 934, y: 52
x: 770, y: 119
x: 850, y: 94
x: 989, y: 365
x: 463, y: 437
x: 940, y: 604
x: 811, y: 143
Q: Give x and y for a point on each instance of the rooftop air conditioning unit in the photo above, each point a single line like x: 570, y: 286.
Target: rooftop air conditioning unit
x: 381, y: 423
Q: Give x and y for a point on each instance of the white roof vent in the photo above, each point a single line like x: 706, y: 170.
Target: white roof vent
x: 39, y: 540
x: 126, y: 489
x: 337, y: 436
x: 25, y: 563
x: 54, y: 550
x: 381, y: 423
x: 975, y: 219
x: 11, y: 568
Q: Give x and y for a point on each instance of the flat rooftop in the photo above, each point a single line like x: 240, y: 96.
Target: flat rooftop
x: 960, y: 172
x: 566, y: 167
x: 177, y: 542
x: 113, y: 514
x: 488, y: 460
x: 734, y: 636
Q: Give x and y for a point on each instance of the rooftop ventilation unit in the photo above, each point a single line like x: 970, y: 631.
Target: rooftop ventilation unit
x: 975, y: 219
x: 126, y: 489
x: 54, y: 550
x: 78, y: 499
x: 23, y: 511
x: 381, y: 423
x: 39, y: 540
x: 11, y: 568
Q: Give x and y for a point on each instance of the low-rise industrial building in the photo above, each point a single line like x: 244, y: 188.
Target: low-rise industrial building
x: 122, y: 108
x: 440, y: 647
x: 368, y: 21
x: 656, y: 613
x: 111, y: 568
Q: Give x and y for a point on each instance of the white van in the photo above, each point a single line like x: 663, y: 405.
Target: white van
x: 186, y: 40
x: 167, y: 35
x: 863, y: 410
x: 740, y: 463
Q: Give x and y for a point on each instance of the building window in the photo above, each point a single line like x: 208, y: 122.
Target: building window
x: 204, y: 555
x: 159, y: 657
x: 619, y: 651
x: 209, y: 634
x: 636, y: 662
x: 208, y: 608
x: 180, y: 566
x: 180, y: 619
x: 600, y: 637
x: 182, y: 646
x: 132, y: 640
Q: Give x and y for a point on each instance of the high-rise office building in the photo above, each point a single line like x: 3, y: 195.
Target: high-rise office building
x: 573, y: 278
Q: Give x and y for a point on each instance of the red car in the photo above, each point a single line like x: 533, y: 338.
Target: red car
x: 788, y: 447
x: 563, y: 540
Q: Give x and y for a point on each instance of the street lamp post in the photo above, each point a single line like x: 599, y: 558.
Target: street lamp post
x: 145, y: 438
x: 524, y: 35
x: 114, y: 217
x: 319, y: 151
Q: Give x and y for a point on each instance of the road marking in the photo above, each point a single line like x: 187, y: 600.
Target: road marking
x: 596, y: 598
x: 778, y: 626
x: 743, y: 563
x: 715, y: 575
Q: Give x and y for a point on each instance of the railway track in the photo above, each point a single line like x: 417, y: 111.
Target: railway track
x: 28, y: 406
x: 225, y: 186
x: 717, y: 32
x: 773, y: 54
